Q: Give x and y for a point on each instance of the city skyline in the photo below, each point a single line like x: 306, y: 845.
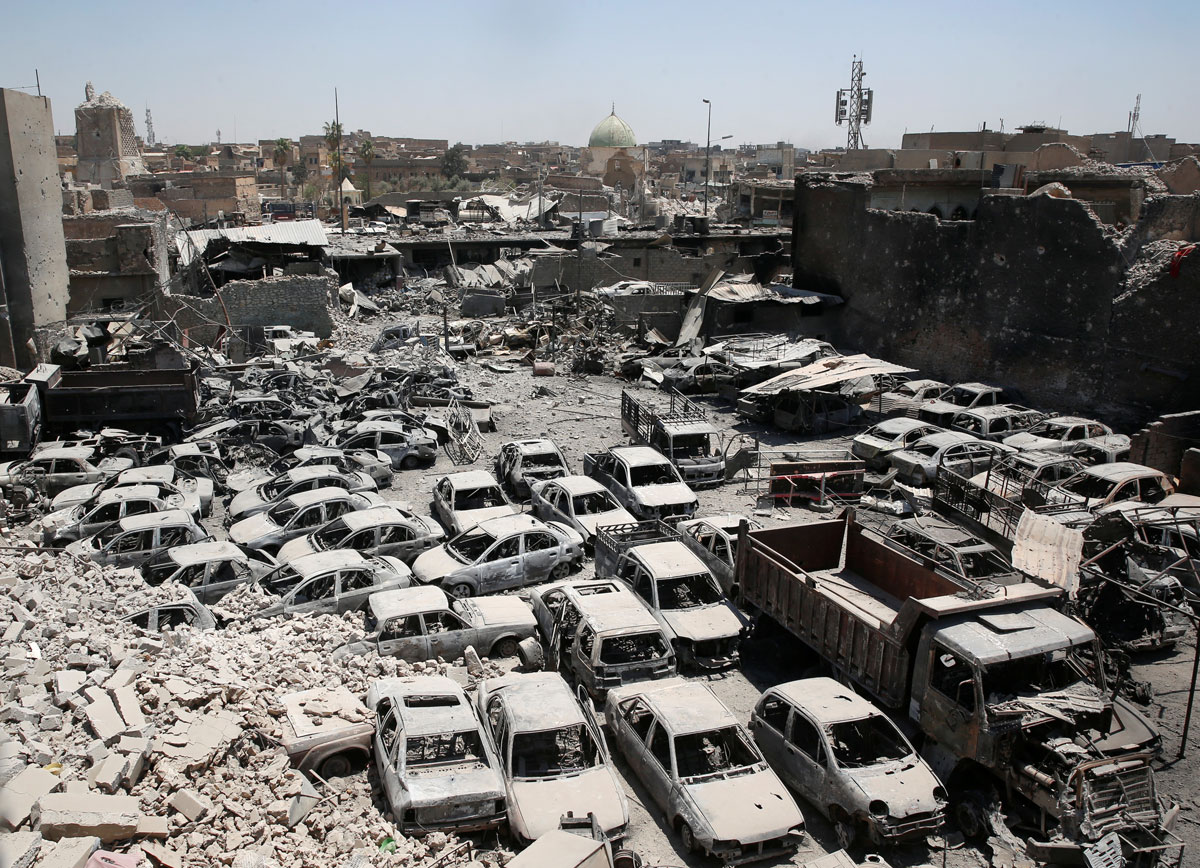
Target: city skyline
x: 505, y: 71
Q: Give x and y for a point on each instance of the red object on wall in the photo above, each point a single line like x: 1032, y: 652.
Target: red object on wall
x: 1178, y: 257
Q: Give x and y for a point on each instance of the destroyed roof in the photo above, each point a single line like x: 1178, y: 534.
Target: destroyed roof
x: 321, y: 562
x: 155, y: 519
x: 401, y: 602
x: 363, y: 518
x: 942, y: 531
x: 638, y: 456
x: 684, y: 706
x: 669, y: 559
x: 471, y: 479
x: 826, y: 700
x: 298, y: 233
x: 576, y: 485
x: 203, y: 552
x: 426, y: 720
x: 764, y: 351
x: 536, y: 701
x: 1119, y: 471
x: 992, y: 637
x: 826, y: 372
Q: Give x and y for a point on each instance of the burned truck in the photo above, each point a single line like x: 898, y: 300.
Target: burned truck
x: 1003, y: 688
x: 680, y: 431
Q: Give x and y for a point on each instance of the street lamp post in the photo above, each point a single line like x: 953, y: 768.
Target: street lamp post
x: 707, y: 157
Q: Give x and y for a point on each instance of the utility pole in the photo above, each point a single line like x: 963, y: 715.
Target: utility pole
x: 337, y: 181
x: 707, y: 157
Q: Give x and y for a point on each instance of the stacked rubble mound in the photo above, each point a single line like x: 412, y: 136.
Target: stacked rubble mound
x: 166, y: 746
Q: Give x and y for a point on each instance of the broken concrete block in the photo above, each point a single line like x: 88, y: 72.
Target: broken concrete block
x: 106, y: 722
x: 105, y: 859
x: 20, y: 849
x: 129, y: 707
x: 70, y: 853
x: 191, y: 804
x: 163, y: 855
x: 302, y: 803
x: 20, y: 794
x: 65, y: 815
x: 108, y: 774
x: 154, y: 827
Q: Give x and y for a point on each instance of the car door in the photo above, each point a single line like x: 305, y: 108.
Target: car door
x: 355, y: 586
x: 542, y: 551
x: 365, y: 540
x: 448, y: 635
x: 770, y: 726
x: 129, y: 547
x: 500, y: 567
x: 402, y: 541
x: 806, y: 759
x: 405, y: 638
x: 658, y: 770
x: 222, y: 577
x: 557, y: 506
x: 634, y: 720
x: 98, y: 518
x: 388, y: 739
x: 443, y: 496
x: 316, y: 594
x: 67, y: 472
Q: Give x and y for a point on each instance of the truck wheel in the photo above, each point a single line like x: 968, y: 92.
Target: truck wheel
x: 972, y: 815
x: 336, y: 766
x: 130, y: 453
x: 504, y: 648
x: 687, y: 837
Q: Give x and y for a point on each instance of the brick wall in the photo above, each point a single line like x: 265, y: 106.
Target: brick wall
x: 301, y: 301
x: 1162, y: 443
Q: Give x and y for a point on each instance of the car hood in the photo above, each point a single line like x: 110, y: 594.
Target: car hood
x: 535, y: 807
x: 703, y: 622
x: 297, y: 548
x: 245, y: 501
x: 75, y: 495
x: 748, y: 807
x: 245, y: 479
x: 1028, y: 441
x: 252, y: 529
x: 431, y: 525
x: 664, y: 495
x: 466, y: 518
x: 602, y: 519
x: 472, y: 785
x: 504, y: 611
x: 869, y: 444
x: 59, y: 519
x: 906, y: 785
x: 434, y: 565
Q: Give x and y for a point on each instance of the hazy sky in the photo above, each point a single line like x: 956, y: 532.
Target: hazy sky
x: 529, y: 71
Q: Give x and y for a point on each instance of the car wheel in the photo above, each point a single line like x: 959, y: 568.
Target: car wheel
x: 687, y: 837
x: 847, y: 831
x: 460, y: 589
x: 561, y: 570
x: 505, y: 648
x: 336, y: 766
x: 409, y: 462
x: 971, y: 815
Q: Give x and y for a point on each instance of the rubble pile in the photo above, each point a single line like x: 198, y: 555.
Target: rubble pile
x: 168, y: 744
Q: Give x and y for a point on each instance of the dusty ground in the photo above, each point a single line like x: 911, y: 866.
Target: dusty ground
x: 582, y: 415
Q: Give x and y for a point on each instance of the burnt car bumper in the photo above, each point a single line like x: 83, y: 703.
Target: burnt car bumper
x: 737, y: 853
x: 891, y: 830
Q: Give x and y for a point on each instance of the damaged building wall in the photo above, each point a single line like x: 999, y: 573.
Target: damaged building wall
x: 1035, y: 293
x: 301, y: 301
x: 117, y: 258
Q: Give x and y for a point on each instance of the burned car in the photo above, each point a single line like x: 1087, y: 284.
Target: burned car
x: 500, y: 553
x: 996, y: 423
x: 136, y: 538
x: 523, y: 463
x: 54, y: 470
x: 438, y: 769
x: 703, y: 771
x: 601, y: 635
x: 950, y: 549
x: 1090, y: 440
x: 261, y: 497
x: 405, y: 446
x: 380, y: 530
x: 643, y: 481
x: 199, y: 458
x: 327, y: 730
x: 891, y: 435
x: 331, y: 582
x: 210, y: 569
x: 962, y: 453
x: 552, y: 755
x: 423, y: 623
x: 713, y: 539
x: 296, y: 514
x: 74, y: 523
x: 1095, y: 487
x: 185, y: 611
x: 276, y: 435
x: 906, y: 397
x: 578, y: 501
x: 463, y: 500
x: 849, y: 761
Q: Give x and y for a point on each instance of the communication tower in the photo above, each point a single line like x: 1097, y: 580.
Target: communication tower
x: 854, y: 106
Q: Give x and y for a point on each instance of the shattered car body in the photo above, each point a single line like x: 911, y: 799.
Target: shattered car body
x: 405, y: 447
x: 73, y: 523
x: 326, y: 729
x: 996, y: 423
x: 908, y: 396
x: 424, y: 623
x: 438, y: 769
x: 293, y: 516
x: 1091, y: 441
x: 380, y: 530
x: 522, y: 464
x: 601, y: 635
x: 261, y: 497
x: 463, y: 500
x: 951, y: 549
x: 136, y: 538
x: 210, y: 569
x: 714, y: 540
x: 891, y: 435
x: 1104, y: 484
x: 506, y: 552
x: 578, y: 501
x: 963, y: 453
x: 55, y: 470
x: 186, y: 611
x: 704, y: 771
x: 333, y: 582
x: 643, y: 481
x: 849, y: 761
x: 553, y: 756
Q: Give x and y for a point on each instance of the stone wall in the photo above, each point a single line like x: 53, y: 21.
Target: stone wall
x: 1163, y: 443
x: 1035, y: 293
x: 301, y: 301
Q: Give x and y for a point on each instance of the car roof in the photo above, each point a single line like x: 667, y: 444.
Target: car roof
x: 203, y: 552
x: 376, y: 515
x: 149, y: 473
x: 316, y: 495
x: 400, y: 602
x: 996, y: 410
x: 726, y: 521
x: 1119, y: 471
x: 684, y: 706
x: 576, y: 485
x: 427, y: 720
x: 192, y: 447
x: 941, y: 531
x: 637, y: 456
x: 900, y: 424
x: 921, y: 384
x: 83, y: 452
x: 371, y: 426
x: 156, y: 519
x: 976, y: 387
x: 472, y: 479
x: 506, y: 524
x: 996, y: 636
x: 620, y: 609
x: 1064, y: 421
x: 310, y: 471
x: 334, y: 559
x: 534, y: 446
x: 126, y: 492
x: 535, y: 701
x: 946, y: 438
x: 668, y: 559
x: 826, y: 700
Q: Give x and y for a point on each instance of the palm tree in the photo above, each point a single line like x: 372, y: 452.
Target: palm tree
x: 333, y: 138
x: 183, y: 152
x: 366, y: 151
x: 283, y: 150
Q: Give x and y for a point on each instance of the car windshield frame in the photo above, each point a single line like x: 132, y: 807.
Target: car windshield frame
x: 470, y: 545
x: 874, y: 730
x: 556, y: 745
x: 674, y: 589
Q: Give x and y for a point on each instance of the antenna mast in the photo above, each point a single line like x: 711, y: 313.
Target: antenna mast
x: 854, y: 106
x: 149, y: 127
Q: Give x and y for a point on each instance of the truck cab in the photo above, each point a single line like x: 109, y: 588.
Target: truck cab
x: 680, y: 432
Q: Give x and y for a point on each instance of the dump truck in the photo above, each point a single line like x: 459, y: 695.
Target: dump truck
x: 159, y: 400
x: 1000, y: 686
x: 680, y: 431
x: 20, y: 418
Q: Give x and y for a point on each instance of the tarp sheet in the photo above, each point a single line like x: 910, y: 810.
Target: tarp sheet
x: 826, y: 372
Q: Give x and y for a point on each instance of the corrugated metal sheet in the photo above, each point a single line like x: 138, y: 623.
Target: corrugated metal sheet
x: 1048, y: 550
x: 826, y: 372
x: 741, y: 293
x: 297, y: 232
